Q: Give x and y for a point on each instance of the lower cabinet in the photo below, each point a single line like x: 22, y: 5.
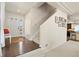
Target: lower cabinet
x: 77, y: 36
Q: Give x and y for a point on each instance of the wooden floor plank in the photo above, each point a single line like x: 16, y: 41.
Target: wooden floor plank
x: 19, y: 46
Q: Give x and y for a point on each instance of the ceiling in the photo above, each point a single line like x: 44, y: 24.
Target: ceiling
x: 21, y: 7
x: 24, y: 7
x: 69, y: 7
x: 73, y: 7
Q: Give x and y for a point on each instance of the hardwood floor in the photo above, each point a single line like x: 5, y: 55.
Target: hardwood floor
x: 18, y: 46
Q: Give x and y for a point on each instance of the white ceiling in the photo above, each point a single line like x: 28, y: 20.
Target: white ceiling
x: 69, y: 7
x: 24, y: 7
x: 72, y: 6
x: 21, y: 7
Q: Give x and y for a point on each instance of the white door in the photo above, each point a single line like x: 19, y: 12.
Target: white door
x: 16, y: 25
x: 20, y: 27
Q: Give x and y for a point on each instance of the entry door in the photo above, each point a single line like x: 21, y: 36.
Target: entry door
x: 16, y: 26
x: 20, y: 27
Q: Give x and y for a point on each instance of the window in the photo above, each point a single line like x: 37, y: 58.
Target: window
x: 76, y: 28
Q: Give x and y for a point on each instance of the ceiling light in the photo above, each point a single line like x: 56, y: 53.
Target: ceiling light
x: 18, y: 10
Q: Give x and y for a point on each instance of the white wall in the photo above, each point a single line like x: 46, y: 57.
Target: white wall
x: 2, y: 17
x: 50, y: 34
x: 12, y: 21
x: 35, y: 18
x: 0, y: 31
x: 2, y: 24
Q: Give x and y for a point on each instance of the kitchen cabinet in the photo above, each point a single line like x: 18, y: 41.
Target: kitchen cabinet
x: 77, y: 35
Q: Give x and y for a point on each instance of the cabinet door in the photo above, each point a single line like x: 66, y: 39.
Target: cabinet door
x: 77, y: 36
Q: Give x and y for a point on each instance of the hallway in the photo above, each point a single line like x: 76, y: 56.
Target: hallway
x: 19, y: 46
x: 45, y: 26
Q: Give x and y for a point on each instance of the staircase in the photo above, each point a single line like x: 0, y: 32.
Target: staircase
x: 35, y: 18
x: 50, y: 11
